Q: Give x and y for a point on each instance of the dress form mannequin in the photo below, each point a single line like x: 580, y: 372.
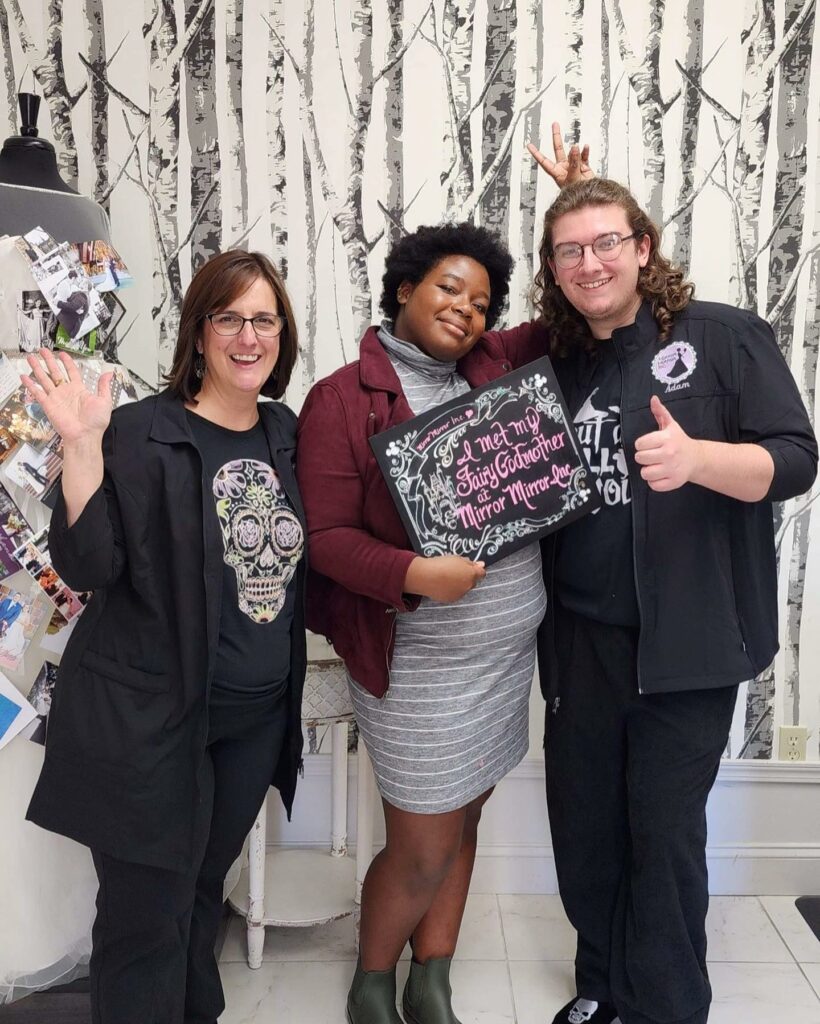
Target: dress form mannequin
x: 32, y: 193
x: 27, y: 159
x: 31, y: 162
x: 47, y: 883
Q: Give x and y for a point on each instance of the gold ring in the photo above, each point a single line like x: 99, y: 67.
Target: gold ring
x: 58, y: 382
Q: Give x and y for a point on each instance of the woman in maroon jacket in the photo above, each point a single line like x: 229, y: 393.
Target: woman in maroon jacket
x: 441, y: 694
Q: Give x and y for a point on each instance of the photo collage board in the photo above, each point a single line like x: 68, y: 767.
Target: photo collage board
x: 74, y: 309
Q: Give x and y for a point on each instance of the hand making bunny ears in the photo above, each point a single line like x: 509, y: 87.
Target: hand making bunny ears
x: 564, y: 170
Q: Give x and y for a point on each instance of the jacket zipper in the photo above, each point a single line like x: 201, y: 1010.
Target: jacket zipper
x: 556, y: 700
x: 370, y: 430
x: 208, y: 590
x: 633, y: 492
x: 392, y: 612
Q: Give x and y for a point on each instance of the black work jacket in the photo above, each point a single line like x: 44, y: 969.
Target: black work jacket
x: 129, y: 717
x: 705, y: 569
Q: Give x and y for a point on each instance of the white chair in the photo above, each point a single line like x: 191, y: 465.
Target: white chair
x: 302, y: 887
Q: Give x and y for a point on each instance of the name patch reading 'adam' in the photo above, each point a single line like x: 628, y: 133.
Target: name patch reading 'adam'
x: 490, y: 471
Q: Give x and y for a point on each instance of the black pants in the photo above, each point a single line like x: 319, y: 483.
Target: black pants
x: 628, y: 776
x: 153, y: 956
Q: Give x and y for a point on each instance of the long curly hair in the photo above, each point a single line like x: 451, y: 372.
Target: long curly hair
x: 660, y: 282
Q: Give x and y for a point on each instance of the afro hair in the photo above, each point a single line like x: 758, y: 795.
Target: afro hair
x: 415, y: 255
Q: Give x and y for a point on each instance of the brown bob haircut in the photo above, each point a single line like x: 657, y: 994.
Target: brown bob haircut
x: 215, y: 285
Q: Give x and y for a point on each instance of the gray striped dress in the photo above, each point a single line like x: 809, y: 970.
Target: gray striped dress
x: 455, y: 717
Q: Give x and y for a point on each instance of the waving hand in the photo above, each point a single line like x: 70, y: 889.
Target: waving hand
x: 76, y: 413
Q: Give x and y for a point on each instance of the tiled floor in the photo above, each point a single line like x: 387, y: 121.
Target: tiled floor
x: 513, y: 965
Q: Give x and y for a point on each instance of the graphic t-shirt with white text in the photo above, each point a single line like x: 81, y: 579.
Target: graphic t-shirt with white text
x: 594, y: 569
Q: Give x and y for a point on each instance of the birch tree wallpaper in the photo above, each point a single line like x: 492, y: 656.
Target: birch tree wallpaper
x: 319, y: 130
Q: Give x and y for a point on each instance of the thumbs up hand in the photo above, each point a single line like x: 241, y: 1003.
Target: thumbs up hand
x: 663, y: 417
x: 668, y: 455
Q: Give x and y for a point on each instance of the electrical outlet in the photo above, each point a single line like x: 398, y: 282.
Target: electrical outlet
x: 793, y: 742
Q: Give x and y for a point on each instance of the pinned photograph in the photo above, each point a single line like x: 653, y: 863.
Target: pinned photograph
x: 57, y: 633
x: 39, y: 697
x: 106, y: 341
x: 20, y: 617
x: 35, y: 558
x: 7, y: 444
x: 9, y: 379
x: 122, y: 387
x: 85, y: 345
x: 15, y: 711
x: 36, y: 470
x: 73, y: 305
x: 104, y: 265
x: 36, y: 322
x: 24, y: 417
x: 14, y: 531
x: 65, y: 286
x: 39, y: 243
x: 116, y: 311
x: 13, y: 524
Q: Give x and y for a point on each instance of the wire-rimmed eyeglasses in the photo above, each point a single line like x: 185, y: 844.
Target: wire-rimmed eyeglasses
x: 265, y: 325
x: 606, y: 247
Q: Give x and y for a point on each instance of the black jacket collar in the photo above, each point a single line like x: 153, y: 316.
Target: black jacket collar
x: 637, y: 335
x: 169, y: 424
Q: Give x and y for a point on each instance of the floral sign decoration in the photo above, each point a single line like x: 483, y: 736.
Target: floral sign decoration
x: 489, y: 471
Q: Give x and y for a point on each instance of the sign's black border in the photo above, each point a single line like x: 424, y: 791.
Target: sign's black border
x: 536, y: 384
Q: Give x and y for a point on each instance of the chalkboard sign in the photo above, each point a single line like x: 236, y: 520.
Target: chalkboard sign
x: 489, y: 471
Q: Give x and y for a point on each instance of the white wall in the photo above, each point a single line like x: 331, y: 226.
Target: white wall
x: 754, y: 196
x: 734, y: 179
x: 763, y: 819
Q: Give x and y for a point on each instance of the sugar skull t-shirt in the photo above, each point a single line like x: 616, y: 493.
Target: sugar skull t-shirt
x: 262, y: 542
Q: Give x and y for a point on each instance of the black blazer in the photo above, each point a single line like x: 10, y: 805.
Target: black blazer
x: 128, y: 721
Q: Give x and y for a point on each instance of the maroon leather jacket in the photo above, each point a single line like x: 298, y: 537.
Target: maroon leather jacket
x: 359, y: 550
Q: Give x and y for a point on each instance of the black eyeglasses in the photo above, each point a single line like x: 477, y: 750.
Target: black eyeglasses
x: 265, y: 325
x: 606, y: 247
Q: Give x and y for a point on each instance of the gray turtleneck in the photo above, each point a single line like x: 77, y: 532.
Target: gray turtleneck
x: 426, y: 382
x: 454, y: 720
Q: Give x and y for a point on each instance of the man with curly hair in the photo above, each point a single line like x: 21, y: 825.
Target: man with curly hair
x: 662, y: 602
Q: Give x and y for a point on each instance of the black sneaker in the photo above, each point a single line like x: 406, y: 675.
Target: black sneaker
x: 586, y: 1011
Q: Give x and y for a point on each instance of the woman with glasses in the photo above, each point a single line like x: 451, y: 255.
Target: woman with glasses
x: 179, y: 694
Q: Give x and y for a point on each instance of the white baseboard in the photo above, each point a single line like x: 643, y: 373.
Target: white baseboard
x: 764, y: 828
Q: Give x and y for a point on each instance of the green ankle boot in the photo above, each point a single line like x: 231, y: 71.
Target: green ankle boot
x: 427, y: 994
x: 372, y: 997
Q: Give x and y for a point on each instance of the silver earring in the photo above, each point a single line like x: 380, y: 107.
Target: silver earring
x: 199, y: 365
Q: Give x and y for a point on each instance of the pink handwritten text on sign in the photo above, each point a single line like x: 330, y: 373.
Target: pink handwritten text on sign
x: 487, y: 471
x: 490, y: 465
